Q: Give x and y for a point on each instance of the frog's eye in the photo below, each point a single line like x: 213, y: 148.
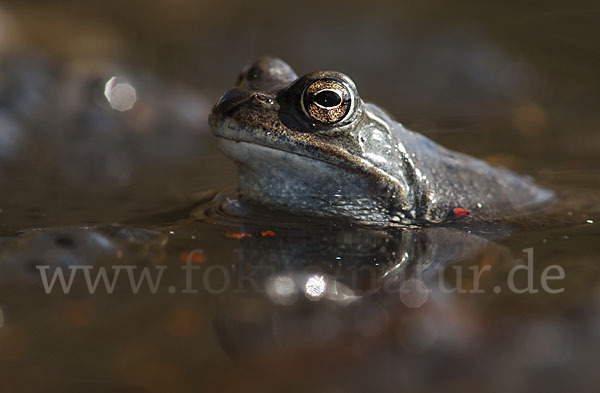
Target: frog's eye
x: 327, y: 100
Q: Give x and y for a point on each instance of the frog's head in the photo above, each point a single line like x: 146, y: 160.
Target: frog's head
x: 310, y: 145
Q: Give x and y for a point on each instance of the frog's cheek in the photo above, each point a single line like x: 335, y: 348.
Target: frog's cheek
x: 303, y: 186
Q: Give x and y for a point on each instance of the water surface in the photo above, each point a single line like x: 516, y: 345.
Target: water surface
x: 294, y: 306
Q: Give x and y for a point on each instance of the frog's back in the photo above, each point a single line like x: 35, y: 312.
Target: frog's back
x: 448, y: 180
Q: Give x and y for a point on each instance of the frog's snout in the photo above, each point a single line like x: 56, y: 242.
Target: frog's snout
x: 223, y: 108
x: 230, y: 99
x: 239, y: 101
x: 238, y: 96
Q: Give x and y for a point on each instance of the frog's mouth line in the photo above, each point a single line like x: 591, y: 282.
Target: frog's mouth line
x: 359, y: 168
x: 289, y: 152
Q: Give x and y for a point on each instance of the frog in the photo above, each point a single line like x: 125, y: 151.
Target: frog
x: 309, y: 146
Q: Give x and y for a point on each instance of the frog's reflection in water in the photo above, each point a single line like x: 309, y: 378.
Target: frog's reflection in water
x: 309, y: 287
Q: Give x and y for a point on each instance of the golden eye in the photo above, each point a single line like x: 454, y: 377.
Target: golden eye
x: 327, y: 101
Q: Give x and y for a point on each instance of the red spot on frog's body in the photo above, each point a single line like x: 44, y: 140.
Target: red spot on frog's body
x: 459, y: 212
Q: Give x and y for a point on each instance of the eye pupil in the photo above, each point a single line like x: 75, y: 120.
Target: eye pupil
x: 328, y: 98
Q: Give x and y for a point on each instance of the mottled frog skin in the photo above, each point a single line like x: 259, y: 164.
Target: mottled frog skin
x: 310, y: 146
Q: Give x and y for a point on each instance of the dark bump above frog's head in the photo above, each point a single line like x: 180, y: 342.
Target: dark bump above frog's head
x: 266, y: 72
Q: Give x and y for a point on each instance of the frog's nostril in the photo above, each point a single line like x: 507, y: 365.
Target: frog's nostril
x: 262, y: 100
x: 237, y: 98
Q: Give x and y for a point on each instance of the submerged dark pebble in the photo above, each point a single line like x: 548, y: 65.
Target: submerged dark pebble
x: 55, y: 248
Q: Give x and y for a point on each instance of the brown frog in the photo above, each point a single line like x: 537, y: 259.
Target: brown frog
x: 311, y: 146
